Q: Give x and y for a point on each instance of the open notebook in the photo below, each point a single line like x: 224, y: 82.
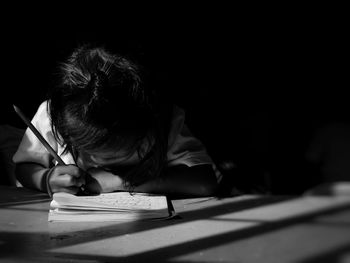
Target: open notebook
x: 116, y: 206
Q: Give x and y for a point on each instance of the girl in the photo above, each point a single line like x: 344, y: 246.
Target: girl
x: 113, y: 134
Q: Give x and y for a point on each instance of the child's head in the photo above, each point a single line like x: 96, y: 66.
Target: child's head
x: 102, y: 109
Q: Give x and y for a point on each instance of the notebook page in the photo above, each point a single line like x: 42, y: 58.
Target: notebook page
x: 117, y: 200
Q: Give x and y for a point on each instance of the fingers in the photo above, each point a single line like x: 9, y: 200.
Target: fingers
x: 70, y: 169
x: 66, y: 178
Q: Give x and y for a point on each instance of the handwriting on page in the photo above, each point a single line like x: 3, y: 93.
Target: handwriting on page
x: 116, y: 206
x: 126, y: 200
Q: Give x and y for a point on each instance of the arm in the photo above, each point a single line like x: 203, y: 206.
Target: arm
x: 179, y: 180
x: 32, y: 175
x: 61, y: 178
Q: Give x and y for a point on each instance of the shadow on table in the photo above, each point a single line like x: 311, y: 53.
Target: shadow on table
x: 9, y: 242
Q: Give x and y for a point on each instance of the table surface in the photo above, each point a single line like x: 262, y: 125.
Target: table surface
x: 248, y: 228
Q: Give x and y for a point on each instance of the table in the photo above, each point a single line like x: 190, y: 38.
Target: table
x: 248, y: 228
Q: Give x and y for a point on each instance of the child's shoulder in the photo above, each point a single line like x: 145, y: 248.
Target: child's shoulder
x: 43, y: 107
x: 41, y: 117
x: 43, y: 110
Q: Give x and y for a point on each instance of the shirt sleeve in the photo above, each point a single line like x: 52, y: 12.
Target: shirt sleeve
x: 183, y: 147
x: 31, y: 149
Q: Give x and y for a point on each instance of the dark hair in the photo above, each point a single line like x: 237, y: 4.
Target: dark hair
x: 100, y: 101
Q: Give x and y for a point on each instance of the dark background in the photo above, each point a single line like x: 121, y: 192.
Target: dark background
x: 255, y: 88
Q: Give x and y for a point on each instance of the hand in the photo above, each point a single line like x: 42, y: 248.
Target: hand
x: 66, y: 178
x: 102, y: 181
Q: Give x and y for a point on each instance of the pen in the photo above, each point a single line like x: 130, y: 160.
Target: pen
x: 42, y: 139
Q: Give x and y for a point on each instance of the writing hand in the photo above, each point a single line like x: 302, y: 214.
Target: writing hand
x: 66, y: 178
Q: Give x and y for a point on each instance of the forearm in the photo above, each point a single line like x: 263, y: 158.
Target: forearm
x: 32, y: 175
x: 183, y: 181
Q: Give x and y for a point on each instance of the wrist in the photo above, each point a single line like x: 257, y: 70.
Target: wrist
x: 47, y: 176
